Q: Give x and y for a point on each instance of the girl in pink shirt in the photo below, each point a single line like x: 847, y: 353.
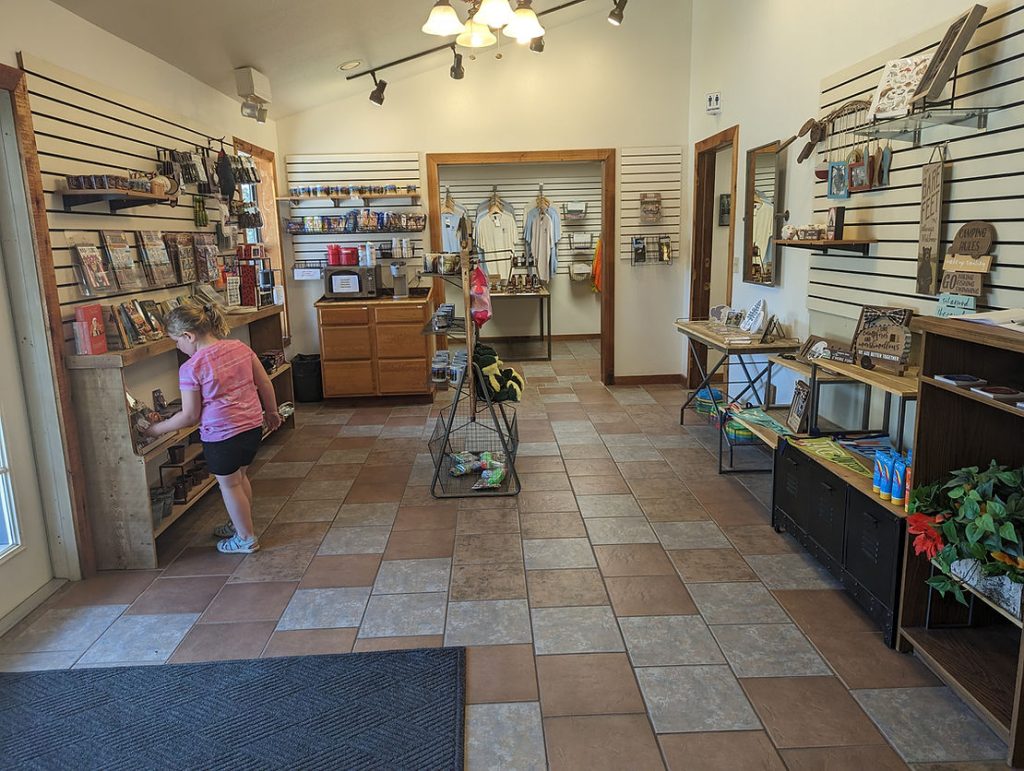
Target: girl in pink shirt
x: 226, y: 390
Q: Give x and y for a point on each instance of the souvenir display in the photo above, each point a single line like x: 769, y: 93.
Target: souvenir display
x: 882, y: 337
x: 159, y: 269
x: 898, y: 85
x: 95, y: 275
x: 129, y: 271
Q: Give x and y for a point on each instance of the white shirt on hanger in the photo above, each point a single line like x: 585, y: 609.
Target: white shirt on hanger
x: 497, y: 233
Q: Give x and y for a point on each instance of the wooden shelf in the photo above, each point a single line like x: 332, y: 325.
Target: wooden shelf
x: 856, y: 481
x: 279, y: 371
x: 804, y: 370
x: 979, y: 663
x: 151, y: 450
x: 898, y: 385
x: 764, y: 433
x: 180, y: 508
x: 971, y: 332
x: 192, y: 452
x: 967, y: 393
x: 119, y: 359
x: 857, y: 246
x: 116, y: 199
x: 342, y: 200
x: 971, y: 590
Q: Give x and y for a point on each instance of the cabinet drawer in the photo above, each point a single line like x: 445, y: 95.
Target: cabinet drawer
x: 387, y: 314
x: 826, y: 510
x: 402, y: 376
x: 345, y: 343
x: 349, y: 378
x: 873, y: 547
x: 400, y: 341
x: 788, y: 487
x: 349, y: 314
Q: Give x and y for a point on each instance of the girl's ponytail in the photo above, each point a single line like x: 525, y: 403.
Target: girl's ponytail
x: 218, y: 323
x: 197, y: 318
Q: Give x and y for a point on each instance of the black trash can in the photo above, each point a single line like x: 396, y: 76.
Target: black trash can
x: 309, y: 386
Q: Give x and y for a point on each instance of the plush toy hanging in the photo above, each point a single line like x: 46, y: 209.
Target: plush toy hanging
x: 503, y: 383
x: 225, y: 175
x: 479, y: 298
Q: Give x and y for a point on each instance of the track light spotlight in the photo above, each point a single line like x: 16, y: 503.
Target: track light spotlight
x: 377, y: 95
x: 537, y: 45
x: 250, y: 109
x: 615, y: 17
x: 261, y: 115
x: 458, y: 72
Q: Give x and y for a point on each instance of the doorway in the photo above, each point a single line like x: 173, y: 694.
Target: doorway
x: 714, y: 233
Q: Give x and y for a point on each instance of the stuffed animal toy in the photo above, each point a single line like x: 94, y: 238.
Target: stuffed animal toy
x: 503, y: 383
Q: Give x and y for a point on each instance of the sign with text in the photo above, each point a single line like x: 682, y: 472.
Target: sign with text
x: 955, y: 305
x: 961, y: 283
x: 968, y: 263
x: 931, y: 228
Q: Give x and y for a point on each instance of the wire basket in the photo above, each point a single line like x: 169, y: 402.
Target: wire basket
x: 489, y: 428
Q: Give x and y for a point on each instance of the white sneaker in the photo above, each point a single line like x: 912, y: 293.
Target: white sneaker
x: 224, y: 531
x: 238, y: 545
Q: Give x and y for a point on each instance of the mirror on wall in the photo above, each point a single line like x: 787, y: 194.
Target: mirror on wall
x: 764, y: 215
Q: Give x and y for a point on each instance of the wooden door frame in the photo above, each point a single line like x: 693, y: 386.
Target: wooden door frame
x: 262, y: 153
x: 607, y: 158
x: 13, y: 81
x: 705, y: 153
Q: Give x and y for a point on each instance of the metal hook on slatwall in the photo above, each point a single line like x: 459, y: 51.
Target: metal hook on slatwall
x: 942, y: 150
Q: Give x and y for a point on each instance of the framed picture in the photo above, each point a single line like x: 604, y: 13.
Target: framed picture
x: 861, y: 175
x: 814, y: 348
x: 946, y: 56
x: 882, y: 337
x: 796, y: 420
x: 838, y: 180
x: 836, y: 220
x: 724, y: 207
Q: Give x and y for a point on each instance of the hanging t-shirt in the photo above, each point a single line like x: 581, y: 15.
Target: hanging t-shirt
x: 496, y: 233
x: 543, y: 251
x: 450, y: 231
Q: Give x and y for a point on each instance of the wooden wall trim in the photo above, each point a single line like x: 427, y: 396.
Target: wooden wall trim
x: 13, y: 81
x: 635, y: 380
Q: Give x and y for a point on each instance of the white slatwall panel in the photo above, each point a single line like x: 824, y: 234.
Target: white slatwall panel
x: 350, y: 170
x: 519, y: 185
x: 984, y: 179
x: 81, y: 128
x: 650, y: 170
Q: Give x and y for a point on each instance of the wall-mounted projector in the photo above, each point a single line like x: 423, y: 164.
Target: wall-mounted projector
x: 254, y: 88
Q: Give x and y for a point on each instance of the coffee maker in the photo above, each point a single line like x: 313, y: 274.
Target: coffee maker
x: 399, y: 279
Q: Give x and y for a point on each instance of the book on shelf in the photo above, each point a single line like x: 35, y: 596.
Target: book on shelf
x: 208, y: 259
x: 92, y: 267
x: 155, y: 259
x: 181, y: 250
x: 90, y: 334
x: 129, y: 272
x: 117, y: 338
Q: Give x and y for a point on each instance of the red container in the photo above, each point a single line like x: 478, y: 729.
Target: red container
x: 349, y: 255
x: 333, y: 254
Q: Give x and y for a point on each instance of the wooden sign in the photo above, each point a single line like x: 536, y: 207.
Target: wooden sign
x: 946, y: 56
x: 931, y: 228
x: 955, y: 305
x: 796, y: 420
x: 971, y: 247
x: 650, y: 208
x: 962, y: 283
x: 966, y: 263
x: 883, y: 337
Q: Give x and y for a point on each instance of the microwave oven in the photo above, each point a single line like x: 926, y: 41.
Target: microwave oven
x: 351, y: 282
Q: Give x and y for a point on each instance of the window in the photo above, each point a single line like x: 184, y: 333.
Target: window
x: 8, y: 519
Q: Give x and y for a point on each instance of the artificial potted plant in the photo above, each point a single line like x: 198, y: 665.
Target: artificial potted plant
x: 971, y: 527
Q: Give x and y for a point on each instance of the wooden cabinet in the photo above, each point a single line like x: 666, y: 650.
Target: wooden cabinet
x: 375, y: 348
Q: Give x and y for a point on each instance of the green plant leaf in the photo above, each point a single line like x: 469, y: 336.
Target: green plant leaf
x: 974, y: 532
x: 950, y: 532
x: 1007, y: 531
x: 956, y: 493
x: 986, y: 523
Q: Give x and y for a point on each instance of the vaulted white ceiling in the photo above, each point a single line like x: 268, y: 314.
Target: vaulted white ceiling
x: 298, y: 44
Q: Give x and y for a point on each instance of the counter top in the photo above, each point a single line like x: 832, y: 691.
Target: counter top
x: 417, y: 298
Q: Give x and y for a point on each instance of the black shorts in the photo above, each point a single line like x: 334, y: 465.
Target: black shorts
x: 228, y: 455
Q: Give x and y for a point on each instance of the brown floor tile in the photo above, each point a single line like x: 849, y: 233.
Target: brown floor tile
x: 500, y: 673
x: 587, y: 684
x: 566, y: 588
x: 547, y: 501
x: 649, y: 596
x: 711, y: 566
x: 381, y: 476
x: 862, y: 660
x: 419, y: 495
x: 202, y: 561
x: 330, y: 571
x: 731, y: 513
x: 406, y: 420
x: 678, y: 509
x: 625, y: 426
x: 262, y: 601
x: 659, y: 487
x: 638, y: 559
x: 591, y: 468
x: 287, y: 534
x: 308, y: 431
x: 544, y: 481
x: 721, y: 751
x: 334, y: 472
x: 300, y: 451
x: 177, y: 595
x: 310, y: 642
x: 489, y: 549
x: 274, y: 487
x: 646, y: 469
x: 565, y: 524
x: 837, y: 719
x: 601, y: 743
x: 824, y: 610
x: 308, y: 511
x: 420, y: 544
x: 536, y: 435
x: 565, y: 411
x: 425, y: 518
x: 847, y: 759
x: 760, y: 539
x: 584, y: 452
x: 604, y: 485
x: 375, y: 492
x: 475, y: 504
x: 223, y: 642
x: 115, y: 587
x: 397, y: 643
x: 370, y: 417
x: 288, y: 563
x: 488, y: 521
x: 540, y: 464
x: 488, y: 582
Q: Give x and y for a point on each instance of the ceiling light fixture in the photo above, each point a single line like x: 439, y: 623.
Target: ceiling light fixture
x: 250, y: 109
x: 494, y: 13
x: 524, y: 26
x: 443, y: 20
x: 350, y: 65
x: 537, y: 46
x: 458, y: 72
x: 477, y: 35
x: 615, y: 17
x: 261, y: 115
x: 377, y: 95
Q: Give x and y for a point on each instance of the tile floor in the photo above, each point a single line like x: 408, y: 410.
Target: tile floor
x: 630, y: 609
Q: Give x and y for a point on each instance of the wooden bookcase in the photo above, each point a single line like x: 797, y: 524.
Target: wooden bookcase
x: 976, y: 650
x: 117, y: 475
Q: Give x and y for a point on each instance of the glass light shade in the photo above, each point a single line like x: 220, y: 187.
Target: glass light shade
x: 443, y: 20
x: 476, y: 35
x: 494, y: 13
x: 524, y: 26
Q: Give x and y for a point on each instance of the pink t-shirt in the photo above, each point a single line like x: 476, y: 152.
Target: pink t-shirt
x: 222, y: 373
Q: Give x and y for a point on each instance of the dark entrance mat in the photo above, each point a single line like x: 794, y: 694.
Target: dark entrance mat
x: 386, y: 710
